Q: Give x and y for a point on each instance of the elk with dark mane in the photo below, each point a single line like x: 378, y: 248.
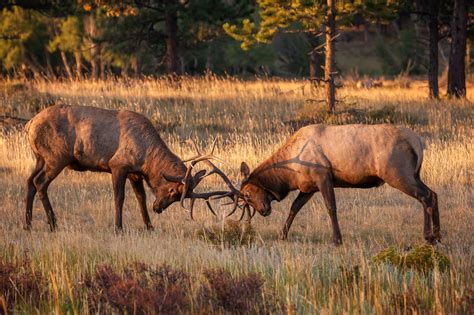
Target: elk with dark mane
x: 122, y: 143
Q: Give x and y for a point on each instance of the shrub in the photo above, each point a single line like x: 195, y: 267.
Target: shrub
x: 19, y: 282
x: 422, y: 257
x: 138, y: 290
x: 241, y: 296
x: 230, y: 233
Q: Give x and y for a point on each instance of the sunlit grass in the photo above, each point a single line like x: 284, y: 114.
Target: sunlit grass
x: 250, y: 119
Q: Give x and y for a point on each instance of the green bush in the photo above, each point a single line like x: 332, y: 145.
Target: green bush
x: 422, y: 257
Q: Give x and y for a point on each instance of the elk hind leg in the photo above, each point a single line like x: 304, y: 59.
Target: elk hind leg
x: 42, y: 181
x: 327, y: 191
x: 415, y: 188
x: 431, y: 204
x: 31, y: 192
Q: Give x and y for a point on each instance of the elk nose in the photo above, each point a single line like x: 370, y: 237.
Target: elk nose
x: 157, y: 208
x: 266, y: 211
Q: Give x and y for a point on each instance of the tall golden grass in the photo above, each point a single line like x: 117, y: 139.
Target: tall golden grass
x: 305, y: 274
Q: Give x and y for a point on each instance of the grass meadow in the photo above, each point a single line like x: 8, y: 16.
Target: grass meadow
x: 85, y: 268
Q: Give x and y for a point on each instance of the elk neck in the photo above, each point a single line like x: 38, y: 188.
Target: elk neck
x: 161, y: 160
x: 277, y: 180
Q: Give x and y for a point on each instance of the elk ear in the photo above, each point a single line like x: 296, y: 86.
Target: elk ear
x: 172, y: 179
x: 244, y: 172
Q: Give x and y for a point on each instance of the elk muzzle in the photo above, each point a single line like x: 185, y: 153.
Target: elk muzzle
x: 159, y: 206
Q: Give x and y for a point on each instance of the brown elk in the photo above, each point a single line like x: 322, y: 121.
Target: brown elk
x: 321, y: 158
x: 122, y: 143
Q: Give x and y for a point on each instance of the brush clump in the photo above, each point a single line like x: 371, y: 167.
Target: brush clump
x: 422, y: 257
x: 237, y: 295
x: 229, y: 233
x: 138, y: 289
x: 20, y: 283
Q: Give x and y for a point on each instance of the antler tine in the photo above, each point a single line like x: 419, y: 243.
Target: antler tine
x: 234, y: 208
x: 210, y: 208
x: 213, y: 145
x: 250, y: 214
x: 210, y: 195
x: 227, y: 194
x: 202, y: 157
x: 234, y: 193
x: 243, y: 213
x: 216, y: 170
x: 253, y: 213
x: 186, y: 186
x: 191, y: 208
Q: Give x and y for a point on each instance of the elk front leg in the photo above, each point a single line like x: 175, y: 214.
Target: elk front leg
x: 327, y: 191
x: 119, y: 177
x: 297, y: 204
x: 140, y: 193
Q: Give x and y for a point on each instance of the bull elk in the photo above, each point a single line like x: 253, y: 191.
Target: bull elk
x: 321, y: 158
x: 122, y: 143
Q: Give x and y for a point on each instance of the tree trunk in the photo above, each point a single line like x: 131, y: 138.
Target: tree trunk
x: 49, y: 68
x: 77, y: 56
x: 366, y: 31
x: 468, y: 57
x: 90, y: 28
x: 313, y: 64
x: 457, y: 55
x: 171, y: 28
x: 433, y: 66
x: 210, y: 57
x: 329, y: 63
x: 66, y: 65
x: 102, y: 65
x: 316, y: 59
x: 137, y: 70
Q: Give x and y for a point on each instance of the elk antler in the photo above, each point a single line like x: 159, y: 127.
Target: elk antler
x: 233, y: 192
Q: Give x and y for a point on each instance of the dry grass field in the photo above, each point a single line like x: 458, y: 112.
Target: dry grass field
x: 85, y: 268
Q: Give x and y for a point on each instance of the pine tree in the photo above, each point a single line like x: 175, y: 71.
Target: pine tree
x: 314, y: 17
x: 23, y: 36
x: 69, y: 39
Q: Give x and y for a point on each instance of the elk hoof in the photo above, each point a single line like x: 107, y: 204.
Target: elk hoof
x: 150, y: 228
x: 282, y: 236
x: 27, y: 227
x: 337, y: 241
x: 118, y: 230
x: 432, y: 240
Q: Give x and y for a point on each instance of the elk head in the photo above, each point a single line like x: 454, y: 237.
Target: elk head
x: 253, y: 194
x: 179, y: 188
x: 175, y: 188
